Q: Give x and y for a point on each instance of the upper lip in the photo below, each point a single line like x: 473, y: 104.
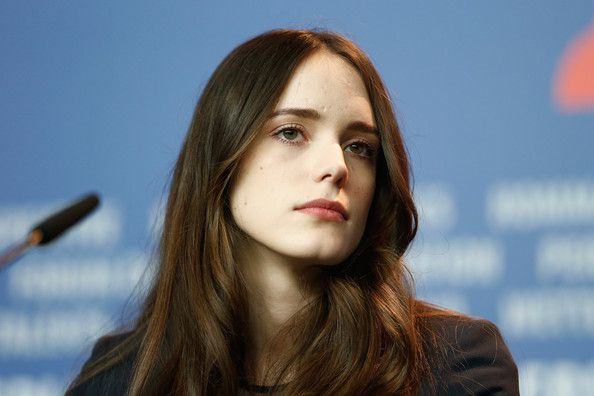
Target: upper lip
x: 325, y: 204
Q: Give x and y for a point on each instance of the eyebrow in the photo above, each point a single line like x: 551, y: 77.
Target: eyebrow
x: 315, y: 115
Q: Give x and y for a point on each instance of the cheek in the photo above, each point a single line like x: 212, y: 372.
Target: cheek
x: 255, y: 190
x: 364, y: 188
x: 370, y: 192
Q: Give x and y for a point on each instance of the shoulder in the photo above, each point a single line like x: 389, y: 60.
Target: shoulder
x: 112, y: 381
x: 474, y: 357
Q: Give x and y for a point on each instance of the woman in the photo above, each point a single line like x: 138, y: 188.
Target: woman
x: 280, y: 267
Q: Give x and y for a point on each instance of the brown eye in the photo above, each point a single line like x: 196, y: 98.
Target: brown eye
x: 361, y: 149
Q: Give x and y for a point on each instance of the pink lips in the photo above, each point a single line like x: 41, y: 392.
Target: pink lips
x: 324, y: 209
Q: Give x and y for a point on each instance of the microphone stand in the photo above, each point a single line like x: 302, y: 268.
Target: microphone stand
x: 15, y: 251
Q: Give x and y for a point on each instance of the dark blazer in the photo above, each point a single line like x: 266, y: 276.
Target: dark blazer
x: 477, y: 362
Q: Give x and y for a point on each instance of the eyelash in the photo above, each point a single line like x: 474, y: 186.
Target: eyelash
x: 277, y: 135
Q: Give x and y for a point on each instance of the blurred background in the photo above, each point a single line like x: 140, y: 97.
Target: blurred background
x: 496, y: 102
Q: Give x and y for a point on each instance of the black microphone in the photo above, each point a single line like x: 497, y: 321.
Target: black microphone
x: 52, y: 227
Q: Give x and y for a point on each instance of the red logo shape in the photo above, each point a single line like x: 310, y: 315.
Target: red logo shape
x: 573, y: 87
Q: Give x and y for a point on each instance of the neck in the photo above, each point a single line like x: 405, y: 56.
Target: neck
x: 277, y: 289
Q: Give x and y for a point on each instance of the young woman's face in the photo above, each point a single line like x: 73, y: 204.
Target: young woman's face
x: 304, y: 189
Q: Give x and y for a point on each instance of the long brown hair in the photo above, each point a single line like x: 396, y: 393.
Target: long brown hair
x: 363, y: 335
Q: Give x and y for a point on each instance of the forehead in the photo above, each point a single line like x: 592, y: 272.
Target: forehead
x: 326, y: 82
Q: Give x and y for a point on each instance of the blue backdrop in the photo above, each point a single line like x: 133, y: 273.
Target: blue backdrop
x: 496, y: 101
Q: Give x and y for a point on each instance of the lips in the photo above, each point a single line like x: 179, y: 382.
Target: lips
x: 324, y: 208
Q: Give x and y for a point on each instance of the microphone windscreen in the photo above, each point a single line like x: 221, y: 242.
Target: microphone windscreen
x: 53, y: 226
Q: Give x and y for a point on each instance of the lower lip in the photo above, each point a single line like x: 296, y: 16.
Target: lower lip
x: 323, y: 214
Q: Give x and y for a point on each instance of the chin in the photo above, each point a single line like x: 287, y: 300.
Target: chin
x: 326, y: 254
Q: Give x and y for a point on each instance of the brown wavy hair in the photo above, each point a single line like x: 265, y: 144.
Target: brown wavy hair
x: 363, y: 335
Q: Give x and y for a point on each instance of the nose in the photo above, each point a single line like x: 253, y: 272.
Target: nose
x: 330, y: 165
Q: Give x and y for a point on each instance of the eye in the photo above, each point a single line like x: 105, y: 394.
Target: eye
x: 289, y: 134
x: 361, y: 148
